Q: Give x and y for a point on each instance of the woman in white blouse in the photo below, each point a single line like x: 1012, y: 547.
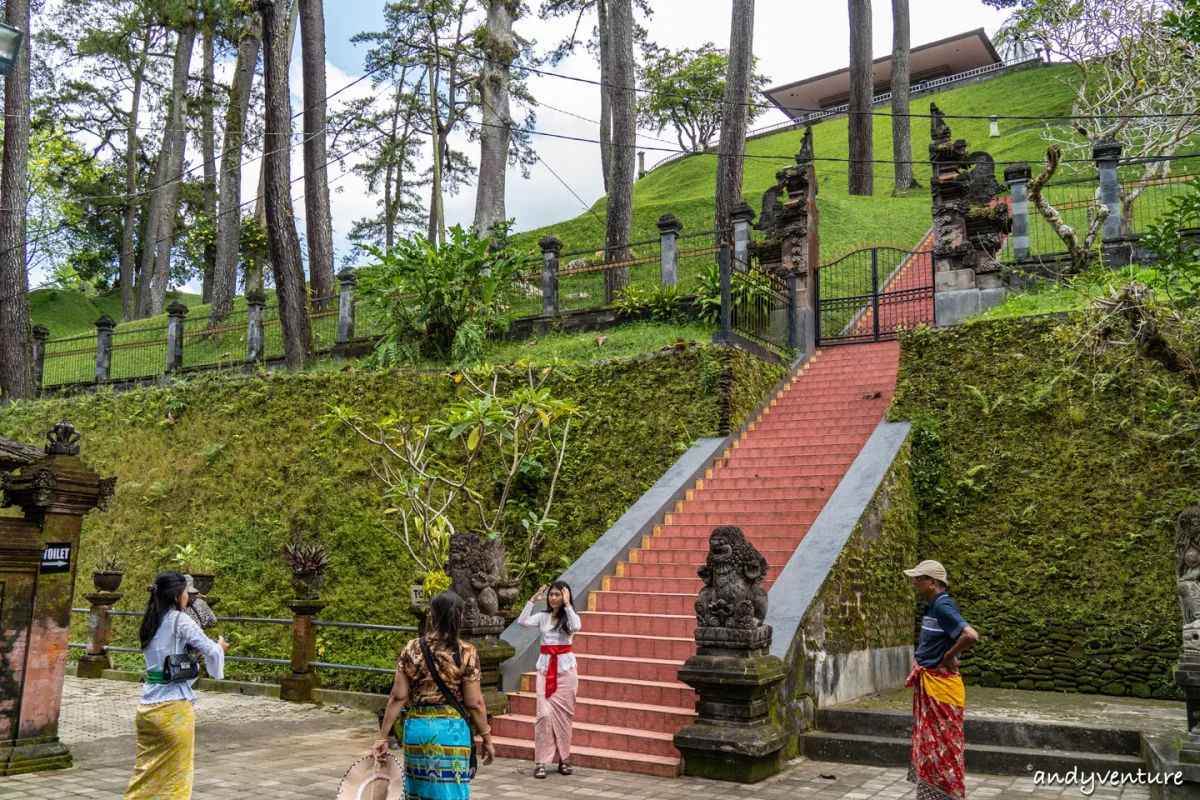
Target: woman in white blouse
x: 166, y: 726
x: 557, y: 679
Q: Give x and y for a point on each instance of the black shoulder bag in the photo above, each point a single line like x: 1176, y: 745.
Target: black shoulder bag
x: 452, y: 701
x: 180, y: 666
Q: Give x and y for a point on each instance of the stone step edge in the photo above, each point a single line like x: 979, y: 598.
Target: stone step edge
x: 1082, y: 755
x: 611, y: 755
x: 624, y: 681
x: 673, y: 711
x: 633, y: 733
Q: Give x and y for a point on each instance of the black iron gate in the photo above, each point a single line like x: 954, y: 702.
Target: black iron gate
x: 867, y: 295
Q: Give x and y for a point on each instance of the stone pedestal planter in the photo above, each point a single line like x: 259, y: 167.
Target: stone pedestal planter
x: 95, y: 659
x: 298, y: 686
x: 107, y: 581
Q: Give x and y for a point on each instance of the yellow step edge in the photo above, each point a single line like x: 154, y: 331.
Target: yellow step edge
x: 678, y: 506
x: 690, y: 493
x: 645, y: 542
x: 605, y: 583
x: 735, y: 443
x: 708, y: 473
x: 699, y: 486
x: 592, y: 601
x: 657, y: 530
x: 633, y: 557
x: 667, y: 518
x: 620, y: 570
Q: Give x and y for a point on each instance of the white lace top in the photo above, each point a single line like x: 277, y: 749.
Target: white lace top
x: 165, y: 643
x: 544, y: 621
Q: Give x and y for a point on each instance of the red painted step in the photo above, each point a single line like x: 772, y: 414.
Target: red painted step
x: 772, y: 481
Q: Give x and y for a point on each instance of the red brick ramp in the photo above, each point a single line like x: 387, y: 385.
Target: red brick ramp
x: 638, y: 629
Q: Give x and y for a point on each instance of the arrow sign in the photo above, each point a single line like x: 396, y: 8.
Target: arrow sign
x: 56, y: 558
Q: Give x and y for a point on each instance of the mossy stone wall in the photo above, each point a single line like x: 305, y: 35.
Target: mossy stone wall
x: 238, y: 469
x: 1049, y: 476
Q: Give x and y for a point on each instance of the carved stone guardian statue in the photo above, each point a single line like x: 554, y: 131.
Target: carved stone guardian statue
x: 475, y: 566
x: 1187, y: 582
x: 733, y: 737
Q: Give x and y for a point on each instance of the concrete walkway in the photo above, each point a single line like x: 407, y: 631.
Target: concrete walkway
x: 249, y: 747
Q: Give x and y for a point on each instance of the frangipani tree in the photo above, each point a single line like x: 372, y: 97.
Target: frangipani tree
x: 459, y: 471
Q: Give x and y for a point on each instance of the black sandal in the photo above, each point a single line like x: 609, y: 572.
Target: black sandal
x: 539, y: 773
x: 565, y: 768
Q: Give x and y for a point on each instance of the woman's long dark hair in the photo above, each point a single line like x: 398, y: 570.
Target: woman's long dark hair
x: 166, y: 588
x: 560, y: 616
x: 445, y: 617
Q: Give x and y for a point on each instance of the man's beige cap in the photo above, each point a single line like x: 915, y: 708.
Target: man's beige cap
x: 931, y: 569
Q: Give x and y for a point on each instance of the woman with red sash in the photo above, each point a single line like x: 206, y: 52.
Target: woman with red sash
x: 557, y: 679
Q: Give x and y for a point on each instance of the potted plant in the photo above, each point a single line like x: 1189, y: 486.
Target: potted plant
x: 190, y: 562
x: 108, y: 574
x: 308, y: 563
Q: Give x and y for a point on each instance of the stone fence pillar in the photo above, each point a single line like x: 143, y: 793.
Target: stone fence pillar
x: 95, y: 659
x: 104, y: 333
x: 993, y: 126
x: 669, y: 227
x: 551, y: 246
x: 298, y: 687
x: 742, y: 216
x: 256, y: 301
x: 346, y: 298
x: 40, y: 335
x: 176, y: 313
x: 1106, y: 154
x: 733, y: 737
x: 1017, y: 177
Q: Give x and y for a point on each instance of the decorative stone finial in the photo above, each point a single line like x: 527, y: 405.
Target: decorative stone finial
x: 105, y: 323
x: 1017, y: 173
x: 256, y: 297
x: 41, y: 332
x: 177, y: 309
x: 669, y: 223
x: 1187, y: 574
x: 742, y: 211
x: 733, y: 604
x: 550, y: 244
x: 348, y: 276
x: 1106, y: 150
x: 62, y: 440
x: 474, y: 567
x: 806, y: 155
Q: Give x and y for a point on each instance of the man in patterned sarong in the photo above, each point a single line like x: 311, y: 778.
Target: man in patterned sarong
x: 938, y: 695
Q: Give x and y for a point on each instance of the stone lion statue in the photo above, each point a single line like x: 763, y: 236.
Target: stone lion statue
x: 1187, y: 573
x: 733, y: 572
x: 474, y: 568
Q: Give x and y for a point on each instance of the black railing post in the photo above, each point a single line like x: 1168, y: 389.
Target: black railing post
x: 726, y: 291
x: 875, y: 288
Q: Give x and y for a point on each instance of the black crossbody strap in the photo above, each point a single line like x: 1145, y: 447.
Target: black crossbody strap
x: 451, y: 700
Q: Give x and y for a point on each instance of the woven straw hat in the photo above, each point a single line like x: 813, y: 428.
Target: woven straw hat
x: 370, y: 780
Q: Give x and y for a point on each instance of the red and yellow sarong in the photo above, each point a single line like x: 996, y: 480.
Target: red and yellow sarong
x: 937, y: 766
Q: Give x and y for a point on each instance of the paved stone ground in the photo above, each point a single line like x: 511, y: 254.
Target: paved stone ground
x: 251, y: 747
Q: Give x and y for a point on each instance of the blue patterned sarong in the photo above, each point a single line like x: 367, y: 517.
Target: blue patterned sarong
x: 437, y: 754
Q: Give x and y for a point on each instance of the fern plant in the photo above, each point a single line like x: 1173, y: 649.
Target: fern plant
x: 631, y: 301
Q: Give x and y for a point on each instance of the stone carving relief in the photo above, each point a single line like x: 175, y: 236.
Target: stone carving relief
x: 1187, y: 573
x: 474, y: 567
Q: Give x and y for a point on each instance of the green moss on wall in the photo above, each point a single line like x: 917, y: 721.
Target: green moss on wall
x: 1049, y: 477
x: 241, y: 469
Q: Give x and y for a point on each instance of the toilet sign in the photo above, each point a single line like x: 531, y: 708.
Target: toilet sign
x: 56, y: 558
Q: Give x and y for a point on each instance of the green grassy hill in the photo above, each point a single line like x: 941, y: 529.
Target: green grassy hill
x: 685, y: 187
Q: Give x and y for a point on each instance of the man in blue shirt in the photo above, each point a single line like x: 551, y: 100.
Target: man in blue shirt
x: 938, y: 766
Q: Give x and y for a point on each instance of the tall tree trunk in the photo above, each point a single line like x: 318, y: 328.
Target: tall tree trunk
x: 624, y: 123
x: 735, y: 113
x: 229, y: 222
x: 435, y: 201
x: 208, y: 143
x: 901, y: 129
x: 500, y: 48
x: 318, y: 222
x: 129, y: 224
x: 16, y: 336
x: 605, y: 93
x: 862, y: 92
x: 156, y: 245
x: 281, y: 223
x: 255, y: 279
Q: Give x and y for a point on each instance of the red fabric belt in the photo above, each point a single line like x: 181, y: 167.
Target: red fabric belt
x: 554, y: 651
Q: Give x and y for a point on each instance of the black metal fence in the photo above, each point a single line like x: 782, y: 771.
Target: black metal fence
x: 870, y: 294
x: 756, y: 304
x: 69, y: 361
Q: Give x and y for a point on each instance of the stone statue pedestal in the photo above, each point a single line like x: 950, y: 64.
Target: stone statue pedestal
x: 95, y: 659
x: 298, y: 687
x: 733, y: 737
x: 1187, y: 677
x: 493, y: 651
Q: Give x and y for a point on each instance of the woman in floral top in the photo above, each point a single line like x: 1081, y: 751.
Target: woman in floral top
x: 437, y: 740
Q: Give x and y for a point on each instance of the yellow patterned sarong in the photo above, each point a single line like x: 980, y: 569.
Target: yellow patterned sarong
x: 166, y: 738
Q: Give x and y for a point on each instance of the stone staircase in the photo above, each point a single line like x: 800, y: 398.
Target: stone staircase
x: 638, y: 630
